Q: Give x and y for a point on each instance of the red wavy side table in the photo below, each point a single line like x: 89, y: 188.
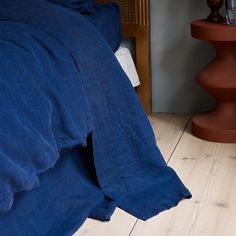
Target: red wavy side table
x: 218, y: 78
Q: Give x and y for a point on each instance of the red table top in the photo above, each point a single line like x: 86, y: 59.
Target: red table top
x: 201, y: 29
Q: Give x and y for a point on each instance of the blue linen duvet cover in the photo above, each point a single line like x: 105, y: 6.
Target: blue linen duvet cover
x: 62, y: 90
x: 106, y: 18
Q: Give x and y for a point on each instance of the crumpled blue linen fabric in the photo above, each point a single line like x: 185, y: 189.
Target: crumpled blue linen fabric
x: 73, y: 86
x: 67, y: 195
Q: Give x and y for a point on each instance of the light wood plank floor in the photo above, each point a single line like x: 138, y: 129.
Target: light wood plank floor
x: 208, y: 170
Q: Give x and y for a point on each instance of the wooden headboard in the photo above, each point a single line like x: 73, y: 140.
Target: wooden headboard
x: 136, y: 24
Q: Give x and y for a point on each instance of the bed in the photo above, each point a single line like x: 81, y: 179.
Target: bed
x: 74, y: 139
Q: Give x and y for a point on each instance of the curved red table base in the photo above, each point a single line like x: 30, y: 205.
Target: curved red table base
x: 216, y: 126
x: 218, y: 78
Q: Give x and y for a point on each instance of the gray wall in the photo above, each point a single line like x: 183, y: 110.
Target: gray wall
x: 176, y: 57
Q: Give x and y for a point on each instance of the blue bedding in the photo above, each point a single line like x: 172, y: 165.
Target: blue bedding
x: 106, y: 18
x: 67, y: 195
x: 58, y: 98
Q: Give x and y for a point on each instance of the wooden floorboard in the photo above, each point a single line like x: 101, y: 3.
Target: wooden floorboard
x: 120, y: 225
x: 168, y: 129
x: 209, y: 171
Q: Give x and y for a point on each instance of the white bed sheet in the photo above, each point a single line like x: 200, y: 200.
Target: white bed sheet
x: 125, y: 59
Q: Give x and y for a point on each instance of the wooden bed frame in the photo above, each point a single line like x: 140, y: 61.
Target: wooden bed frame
x: 136, y: 24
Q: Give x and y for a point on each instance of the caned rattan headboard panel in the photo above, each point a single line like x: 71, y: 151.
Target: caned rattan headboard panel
x: 136, y: 24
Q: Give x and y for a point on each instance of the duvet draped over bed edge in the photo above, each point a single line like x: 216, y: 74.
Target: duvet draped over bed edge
x: 60, y: 88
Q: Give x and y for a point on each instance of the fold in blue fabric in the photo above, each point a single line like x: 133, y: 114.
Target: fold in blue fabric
x: 82, y: 6
x: 59, y: 82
